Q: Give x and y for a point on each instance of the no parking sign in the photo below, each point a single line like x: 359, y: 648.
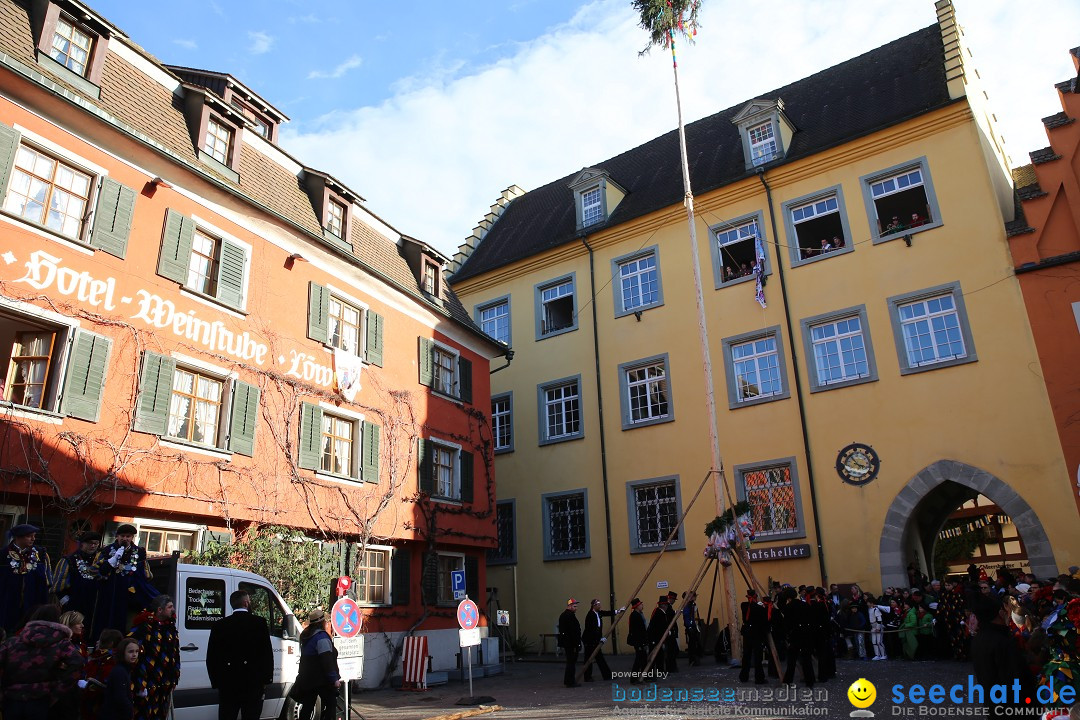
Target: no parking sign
x: 345, y: 618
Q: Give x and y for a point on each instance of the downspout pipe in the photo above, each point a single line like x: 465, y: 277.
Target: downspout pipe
x: 603, y: 440
x: 798, y: 383
x: 509, y: 359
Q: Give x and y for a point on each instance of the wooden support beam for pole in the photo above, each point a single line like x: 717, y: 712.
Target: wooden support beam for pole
x: 701, y: 573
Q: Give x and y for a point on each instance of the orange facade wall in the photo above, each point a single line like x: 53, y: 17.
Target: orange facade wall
x: 70, y: 469
x: 1047, y: 257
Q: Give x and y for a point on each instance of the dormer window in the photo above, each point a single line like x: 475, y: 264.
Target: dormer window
x: 765, y: 131
x: 595, y: 197
x: 71, y: 43
x: 431, y: 278
x: 71, y: 46
x: 218, y: 141
x: 262, y: 127
x: 335, y: 219
x: 762, y: 143
x: 592, y: 206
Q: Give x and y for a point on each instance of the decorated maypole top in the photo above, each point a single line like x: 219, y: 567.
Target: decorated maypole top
x: 664, y: 18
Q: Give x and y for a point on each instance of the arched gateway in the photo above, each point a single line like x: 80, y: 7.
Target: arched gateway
x: 920, y: 509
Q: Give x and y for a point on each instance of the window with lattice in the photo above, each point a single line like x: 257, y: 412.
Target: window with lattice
x: 773, y: 506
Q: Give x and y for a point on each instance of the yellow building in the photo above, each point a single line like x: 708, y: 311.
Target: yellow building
x: 890, y: 377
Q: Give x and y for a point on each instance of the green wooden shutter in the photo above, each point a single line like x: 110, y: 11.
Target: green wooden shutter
x: 426, y: 468
x: 318, y: 318
x: 309, y: 455
x: 466, y: 476
x: 112, y: 217
x: 464, y: 379
x: 244, y: 418
x: 427, y: 362
x: 400, y: 572
x: 86, y: 376
x: 9, y: 145
x: 369, y: 452
x: 230, y: 281
x: 373, y: 350
x: 472, y: 579
x: 176, y: 247
x: 155, y: 390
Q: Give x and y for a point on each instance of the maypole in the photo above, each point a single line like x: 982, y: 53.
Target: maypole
x: 662, y: 23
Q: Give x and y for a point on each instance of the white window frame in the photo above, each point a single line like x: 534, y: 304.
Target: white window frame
x: 810, y: 345
x: 636, y: 276
x: 808, y: 208
x: 759, y: 155
x: 502, y: 418
x: 212, y: 140
x: 873, y: 213
x: 543, y: 402
x: 745, y: 229
x: 75, y: 28
x: 542, y: 331
x: 959, y: 310
x: 388, y: 552
x: 626, y: 387
x: 445, y: 380
x: 144, y: 525
x: 592, y: 212
x: 483, y: 321
x: 735, y: 397
x: 65, y: 327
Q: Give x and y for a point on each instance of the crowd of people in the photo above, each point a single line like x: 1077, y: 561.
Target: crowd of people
x: 1011, y: 626
x: 93, y: 639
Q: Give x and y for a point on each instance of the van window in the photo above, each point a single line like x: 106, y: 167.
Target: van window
x: 204, y: 602
x: 266, y: 606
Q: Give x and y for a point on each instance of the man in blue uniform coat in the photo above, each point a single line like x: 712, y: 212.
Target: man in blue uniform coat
x: 25, y: 577
x: 125, y: 587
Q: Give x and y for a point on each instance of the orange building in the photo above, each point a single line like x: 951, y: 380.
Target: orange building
x: 1045, y: 244
x: 199, y: 333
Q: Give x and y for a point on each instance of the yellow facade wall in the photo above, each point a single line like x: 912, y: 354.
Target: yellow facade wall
x: 991, y: 414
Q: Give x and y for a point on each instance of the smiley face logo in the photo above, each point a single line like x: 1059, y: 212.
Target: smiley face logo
x: 862, y: 693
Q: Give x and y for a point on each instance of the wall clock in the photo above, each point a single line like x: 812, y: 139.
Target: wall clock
x: 857, y: 464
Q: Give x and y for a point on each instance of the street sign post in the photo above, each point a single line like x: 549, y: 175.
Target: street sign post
x: 457, y: 583
x: 345, y: 618
x: 468, y: 617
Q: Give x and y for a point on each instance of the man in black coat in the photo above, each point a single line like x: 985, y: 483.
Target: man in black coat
x: 822, y: 629
x: 570, y: 641
x: 799, y: 628
x: 638, y: 638
x: 658, y: 623
x: 240, y: 660
x: 755, y: 625
x: 672, y: 644
x: 593, y: 638
x: 998, y: 659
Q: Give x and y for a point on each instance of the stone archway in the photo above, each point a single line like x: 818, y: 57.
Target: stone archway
x: 900, y: 519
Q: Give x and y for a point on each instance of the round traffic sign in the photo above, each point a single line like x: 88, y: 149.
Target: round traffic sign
x: 345, y: 618
x: 468, y: 616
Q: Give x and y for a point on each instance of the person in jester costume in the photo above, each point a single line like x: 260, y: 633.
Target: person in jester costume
x: 158, y: 670
x: 25, y: 577
x: 125, y: 587
x: 77, y: 579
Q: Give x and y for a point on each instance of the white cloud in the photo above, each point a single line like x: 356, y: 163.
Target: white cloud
x: 352, y: 63
x: 186, y: 43
x: 261, y: 42
x: 431, y: 159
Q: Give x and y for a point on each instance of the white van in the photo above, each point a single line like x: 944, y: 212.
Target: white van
x: 201, y: 594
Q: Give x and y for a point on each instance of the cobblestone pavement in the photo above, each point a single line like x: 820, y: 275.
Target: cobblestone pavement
x: 534, y: 690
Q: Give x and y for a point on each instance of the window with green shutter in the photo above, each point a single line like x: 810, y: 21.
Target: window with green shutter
x: 369, y: 453
x: 113, y: 217
x: 202, y: 262
x: 31, y: 355
x: 244, y: 418
x: 85, y: 382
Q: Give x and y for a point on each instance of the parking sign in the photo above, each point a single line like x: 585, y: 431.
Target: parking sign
x: 457, y: 583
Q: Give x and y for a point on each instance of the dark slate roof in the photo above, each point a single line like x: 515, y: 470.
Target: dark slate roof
x: 1043, y: 156
x: 140, y: 105
x: 903, y: 79
x: 1057, y: 120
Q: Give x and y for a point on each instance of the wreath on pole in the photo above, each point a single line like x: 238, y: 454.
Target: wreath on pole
x: 722, y: 532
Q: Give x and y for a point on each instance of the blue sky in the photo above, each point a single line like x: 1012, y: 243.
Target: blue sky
x: 429, y: 109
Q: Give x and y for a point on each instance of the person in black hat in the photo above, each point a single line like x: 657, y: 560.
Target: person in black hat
x: 593, y: 638
x: 25, y: 577
x: 125, y: 587
x: 658, y: 623
x: 570, y: 641
x: 755, y: 626
x: 638, y: 638
x: 77, y: 579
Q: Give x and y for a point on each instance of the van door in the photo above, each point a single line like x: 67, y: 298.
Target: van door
x: 266, y: 604
x: 200, y: 604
